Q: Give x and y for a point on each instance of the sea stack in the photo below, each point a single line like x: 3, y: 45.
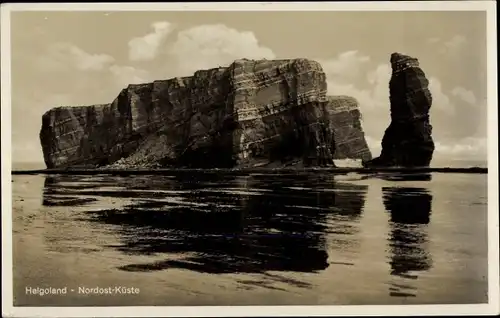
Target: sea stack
x: 253, y: 113
x: 407, y: 142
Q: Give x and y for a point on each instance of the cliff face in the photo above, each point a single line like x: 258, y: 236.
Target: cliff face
x: 407, y: 142
x: 345, y: 122
x: 252, y: 113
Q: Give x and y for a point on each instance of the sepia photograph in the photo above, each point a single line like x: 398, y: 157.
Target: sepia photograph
x: 237, y: 159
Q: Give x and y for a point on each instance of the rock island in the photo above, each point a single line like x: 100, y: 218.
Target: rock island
x: 253, y: 113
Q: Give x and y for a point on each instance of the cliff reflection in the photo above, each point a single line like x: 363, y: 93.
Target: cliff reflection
x: 408, y: 176
x: 410, y: 210
x: 220, y: 223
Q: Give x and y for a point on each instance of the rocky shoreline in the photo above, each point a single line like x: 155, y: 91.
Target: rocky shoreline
x: 164, y: 171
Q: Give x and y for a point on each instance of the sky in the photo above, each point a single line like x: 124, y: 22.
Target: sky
x: 74, y: 58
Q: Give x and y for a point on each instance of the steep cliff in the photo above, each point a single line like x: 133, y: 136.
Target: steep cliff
x: 407, y: 142
x: 253, y: 113
x: 345, y: 122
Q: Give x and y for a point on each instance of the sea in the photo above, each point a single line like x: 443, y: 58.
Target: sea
x: 235, y: 238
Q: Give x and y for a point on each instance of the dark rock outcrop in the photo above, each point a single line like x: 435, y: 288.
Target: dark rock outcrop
x: 345, y: 122
x: 407, y: 142
x: 253, y: 113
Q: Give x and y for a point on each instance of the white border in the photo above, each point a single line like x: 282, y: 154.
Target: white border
x: 261, y: 6
x: 204, y: 311
x: 7, y: 276
x: 492, y: 124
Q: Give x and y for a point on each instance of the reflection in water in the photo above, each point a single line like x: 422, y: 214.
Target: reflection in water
x: 408, y: 176
x: 295, y: 239
x: 410, y: 210
x: 220, y: 223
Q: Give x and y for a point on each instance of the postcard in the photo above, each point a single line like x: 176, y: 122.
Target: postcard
x: 249, y: 159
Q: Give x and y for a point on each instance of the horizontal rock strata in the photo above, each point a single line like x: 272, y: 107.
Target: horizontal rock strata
x: 345, y: 122
x: 407, y: 142
x: 253, y: 113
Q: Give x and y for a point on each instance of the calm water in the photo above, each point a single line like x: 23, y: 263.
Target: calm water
x: 260, y: 239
